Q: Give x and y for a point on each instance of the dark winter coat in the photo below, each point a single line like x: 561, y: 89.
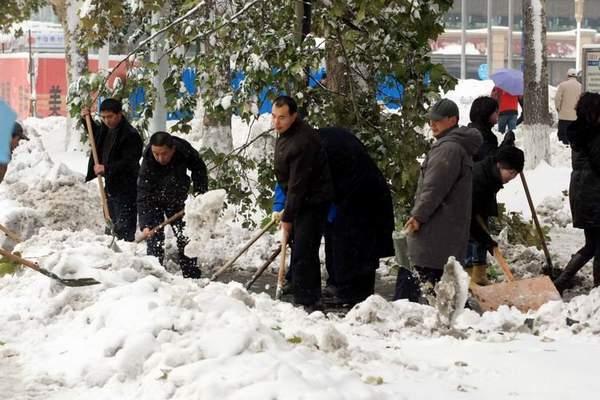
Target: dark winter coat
x: 490, y: 141
x: 443, y: 199
x: 361, y: 196
x: 584, y: 189
x: 170, y: 183
x: 301, y: 169
x: 486, y: 184
x: 122, y: 164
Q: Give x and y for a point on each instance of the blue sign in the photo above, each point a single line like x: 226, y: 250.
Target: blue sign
x: 483, y: 72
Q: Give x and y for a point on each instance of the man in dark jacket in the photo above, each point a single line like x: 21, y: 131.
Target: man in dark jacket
x: 119, y: 148
x: 439, y: 223
x: 302, y: 171
x: 163, y: 187
x: 360, y: 231
x: 489, y: 176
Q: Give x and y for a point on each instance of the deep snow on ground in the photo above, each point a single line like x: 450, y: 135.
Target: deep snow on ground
x: 147, y: 333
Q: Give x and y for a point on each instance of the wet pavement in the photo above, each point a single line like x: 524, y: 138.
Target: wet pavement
x: 267, y: 283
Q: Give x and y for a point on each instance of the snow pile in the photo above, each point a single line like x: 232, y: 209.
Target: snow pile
x: 156, y: 335
x: 42, y: 192
x: 451, y: 292
x: 453, y: 48
x: 555, y: 210
x: 201, y: 215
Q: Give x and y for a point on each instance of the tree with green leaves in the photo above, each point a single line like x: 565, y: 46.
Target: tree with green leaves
x: 364, y: 44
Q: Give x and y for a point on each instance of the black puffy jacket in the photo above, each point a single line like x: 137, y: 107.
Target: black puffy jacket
x: 584, y: 188
x: 158, y: 183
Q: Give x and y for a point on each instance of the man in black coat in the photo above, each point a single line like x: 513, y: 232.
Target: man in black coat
x: 360, y: 233
x: 119, y: 148
x: 489, y: 176
x: 163, y: 186
x: 302, y: 171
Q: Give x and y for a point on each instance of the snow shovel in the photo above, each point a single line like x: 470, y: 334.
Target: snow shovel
x: 157, y: 228
x: 107, y: 219
x: 12, y: 235
x: 262, y: 268
x: 281, y: 272
x: 538, y: 229
x: 243, y: 250
x: 524, y: 294
x: 65, y: 281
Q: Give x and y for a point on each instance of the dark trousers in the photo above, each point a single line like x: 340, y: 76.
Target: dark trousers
x: 563, y: 126
x: 123, y: 213
x: 153, y: 216
x: 350, y: 258
x: 415, y: 286
x: 592, y: 249
x: 305, y: 265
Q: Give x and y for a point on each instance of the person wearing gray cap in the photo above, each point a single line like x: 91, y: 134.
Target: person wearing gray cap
x: 439, y: 222
x: 565, y: 100
x: 17, y: 136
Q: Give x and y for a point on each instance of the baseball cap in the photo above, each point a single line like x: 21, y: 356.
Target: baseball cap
x: 443, y: 109
x: 18, y: 131
x: 572, y: 72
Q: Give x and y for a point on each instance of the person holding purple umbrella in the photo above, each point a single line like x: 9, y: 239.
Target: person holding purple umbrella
x: 508, y: 90
x: 508, y: 110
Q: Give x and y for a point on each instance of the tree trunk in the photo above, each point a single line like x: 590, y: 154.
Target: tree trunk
x: 535, y: 99
x: 215, y: 128
x: 76, y: 58
x: 338, y: 81
x: 159, y: 112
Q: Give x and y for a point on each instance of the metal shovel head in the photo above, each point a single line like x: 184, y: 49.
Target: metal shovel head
x: 524, y: 294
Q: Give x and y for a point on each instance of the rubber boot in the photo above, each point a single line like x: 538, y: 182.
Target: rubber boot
x: 575, y: 264
x: 469, y: 271
x: 480, y: 274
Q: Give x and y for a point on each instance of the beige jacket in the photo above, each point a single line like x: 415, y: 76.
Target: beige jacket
x: 566, y: 99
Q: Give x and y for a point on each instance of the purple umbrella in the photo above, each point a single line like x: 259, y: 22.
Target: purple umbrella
x: 509, y: 80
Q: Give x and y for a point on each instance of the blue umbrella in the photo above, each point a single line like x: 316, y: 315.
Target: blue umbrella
x: 509, y: 80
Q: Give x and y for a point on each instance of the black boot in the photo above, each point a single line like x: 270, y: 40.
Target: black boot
x: 596, y: 271
x: 189, y: 267
x: 564, y: 279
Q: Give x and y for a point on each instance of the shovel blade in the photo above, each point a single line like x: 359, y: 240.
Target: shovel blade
x: 525, y: 294
x: 79, y: 282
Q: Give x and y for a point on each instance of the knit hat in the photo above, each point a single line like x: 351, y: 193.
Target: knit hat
x: 511, y: 157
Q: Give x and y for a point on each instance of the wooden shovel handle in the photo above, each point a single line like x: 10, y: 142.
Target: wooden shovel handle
x: 282, y: 267
x: 503, y: 264
x: 90, y: 131
x: 536, y: 222
x: 166, y: 222
x: 497, y: 254
x: 243, y: 250
x: 11, y: 234
x: 20, y: 260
